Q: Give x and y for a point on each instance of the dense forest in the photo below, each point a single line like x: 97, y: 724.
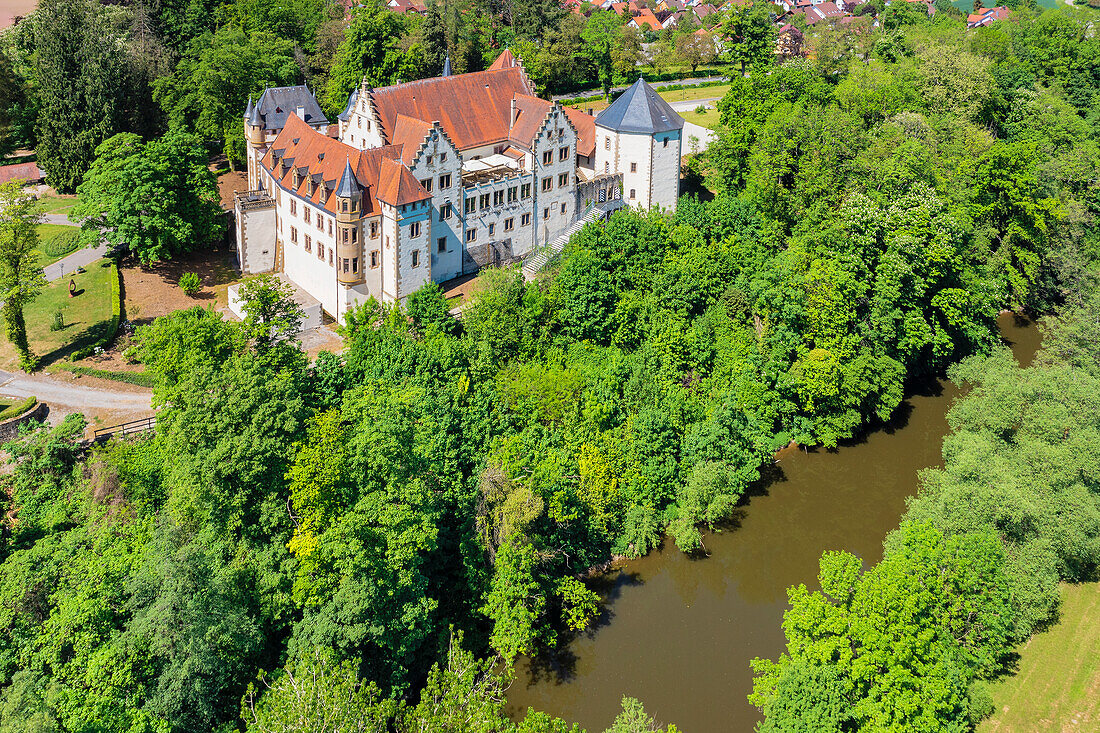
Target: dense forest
x: 376, y: 536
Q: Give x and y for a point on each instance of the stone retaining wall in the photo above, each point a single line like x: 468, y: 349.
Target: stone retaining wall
x: 9, y: 429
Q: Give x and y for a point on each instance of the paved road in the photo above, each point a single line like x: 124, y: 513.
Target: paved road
x: 595, y: 93
x: 688, y: 105
x: 81, y: 258
x: 64, y: 394
x: 62, y: 219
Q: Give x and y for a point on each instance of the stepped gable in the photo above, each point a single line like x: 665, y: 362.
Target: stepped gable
x: 324, y: 161
x: 640, y: 109
x: 473, y: 109
x: 530, y: 113
x: 409, y: 134
x: 277, y: 104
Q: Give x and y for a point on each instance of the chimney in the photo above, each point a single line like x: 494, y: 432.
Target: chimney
x: 512, y: 118
x: 301, y: 112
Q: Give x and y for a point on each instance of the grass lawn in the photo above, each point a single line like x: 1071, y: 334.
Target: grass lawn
x: 708, y: 119
x: 87, y: 316
x: 46, y: 234
x: 677, y: 95
x: 57, y: 204
x: 1057, y: 687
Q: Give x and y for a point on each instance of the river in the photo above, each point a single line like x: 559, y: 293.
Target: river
x: 678, y: 633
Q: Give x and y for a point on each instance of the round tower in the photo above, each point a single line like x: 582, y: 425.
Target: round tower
x: 349, y: 213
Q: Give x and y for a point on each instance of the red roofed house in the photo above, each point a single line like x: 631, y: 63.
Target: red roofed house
x: 645, y: 20
x: 823, y: 11
x: 437, y: 178
x: 986, y: 16
x: 29, y: 172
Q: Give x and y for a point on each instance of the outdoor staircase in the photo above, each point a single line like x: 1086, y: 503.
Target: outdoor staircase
x: 538, y: 259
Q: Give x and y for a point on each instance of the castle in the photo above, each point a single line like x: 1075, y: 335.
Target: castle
x: 434, y: 179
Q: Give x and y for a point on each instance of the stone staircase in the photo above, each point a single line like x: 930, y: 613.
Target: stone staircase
x: 538, y: 259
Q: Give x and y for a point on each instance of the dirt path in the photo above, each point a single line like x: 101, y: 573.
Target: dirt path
x: 102, y: 402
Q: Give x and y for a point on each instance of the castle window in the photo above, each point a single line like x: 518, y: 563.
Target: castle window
x: 414, y: 229
x: 294, y: 235
x: 633, y: 167
x: 547, y: 183
x: 293, y: 207
x: 548, y: 157
x: 445, y: 180
x: 308, y: 240
x: 546, y: 213
x: 442, y: 157
x: 512, y: 192
x: 606, y: 167
x: 483, y: 200
x: 347, y: 264
x: 343, y: 206
x: 355, y: 264
x: 563, y: 208
x: 427, y: 184
x: 607, y: 143
x: 330, y: 227
x: 445, y: 212
x: 563, y: 179
x: 632, y: 193
x: 374, y: 230
x: 330, y: 256
x: 524, y: 219
x: 428, y: 160
x: 305, y: 214
x: 471, y: 235
x: 309, y: 248
x: 498, y: 198
x: 416, y: 258
x: 525, y: 191
x: 666, y: 142
x: 492, y: 229
x: 321, y: 252
x: 469, y: 205
x: 563, y: 154
x: 354, y: 236
x: 508, y: 224
x: 374, y: 259
x: 441, y: 244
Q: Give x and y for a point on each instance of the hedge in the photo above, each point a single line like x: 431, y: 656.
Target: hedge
x: 141, y: 379
x: 18, y: 408
x: 116, y: 319
x: 669, y: 88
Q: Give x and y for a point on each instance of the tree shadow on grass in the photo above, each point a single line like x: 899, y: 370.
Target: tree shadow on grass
x: 91, y: 335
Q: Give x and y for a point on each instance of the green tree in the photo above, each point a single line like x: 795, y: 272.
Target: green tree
x: 21, y: 277
x: 158, y: 198
x: 752, y: 36
x: 370, y: 49
x: 601, y: 35
x: 271, y: 314
x: 78, y: 77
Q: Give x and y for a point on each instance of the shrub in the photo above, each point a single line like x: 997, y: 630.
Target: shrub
x: 58, y: 321
x: 190, y: 283
x: 62, y: 244
x: 701, y: 109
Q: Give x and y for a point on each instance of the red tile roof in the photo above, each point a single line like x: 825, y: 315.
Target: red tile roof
x: 27, y: 171
x: 409, y: 133
x: 646, y: 19
x: 473, y: 109
x: 505, y: 61
x: 380, y: 174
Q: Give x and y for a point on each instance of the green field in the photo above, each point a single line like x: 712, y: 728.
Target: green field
x: 1057, y: 687
x: 87, y: 316
x: 55, y: 204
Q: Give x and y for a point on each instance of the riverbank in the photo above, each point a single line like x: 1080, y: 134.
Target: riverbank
x: 677, y: 630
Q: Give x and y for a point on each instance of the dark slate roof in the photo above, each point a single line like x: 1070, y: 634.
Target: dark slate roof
x: 349, y: 186
x: 351, y: 105
x: 640, y: 109
x: 278, y: 103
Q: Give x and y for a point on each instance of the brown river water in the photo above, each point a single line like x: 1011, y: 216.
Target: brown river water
x: 678, y: 633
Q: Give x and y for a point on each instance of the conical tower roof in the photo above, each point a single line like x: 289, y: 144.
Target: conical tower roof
x: 446, y: 66
x: 349, y: 185
x: 640, y: 109
x: 248, y: 109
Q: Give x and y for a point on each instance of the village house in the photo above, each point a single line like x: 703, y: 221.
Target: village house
x: 986, y: 16
x: 434, y: 179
